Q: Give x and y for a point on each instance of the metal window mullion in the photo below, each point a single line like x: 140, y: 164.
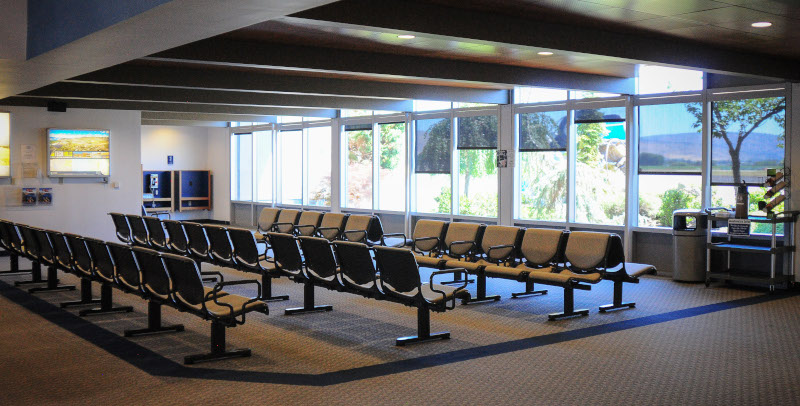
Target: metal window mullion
x: 305, y: 162
x: 273, y: 140
x: 571, y: 166
x: 337, y: 153
x: 454, y: 167
x: 376, y: 163
x: 631, y: 176
x: 705, y: 171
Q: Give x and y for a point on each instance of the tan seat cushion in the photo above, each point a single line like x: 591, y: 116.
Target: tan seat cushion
x: 238, y: 303
x: 505, y: 272
x: 436, y: 297
x: 496, y: 236
x: 540, y: 245
x: 471, y: 267
x: 430, y: 262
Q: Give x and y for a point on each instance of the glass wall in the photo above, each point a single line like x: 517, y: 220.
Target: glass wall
x: 542, y: 162
x: 392, y: 171
x: 242, y: 166
x: 601, y: 152
x: 358, y: 173
x: 477, y: 165
x: 670, y: 161
x: 432, y: 165
x: 263, y: 165
x: 318, y: 165
x: 290, y: 148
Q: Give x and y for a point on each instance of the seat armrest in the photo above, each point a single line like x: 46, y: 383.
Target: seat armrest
x: 214, y: 295
x: 454, y: 271
x: 214, y: 273
x: 390, y: 235
x: 276, y: 225
x: 499, y: 247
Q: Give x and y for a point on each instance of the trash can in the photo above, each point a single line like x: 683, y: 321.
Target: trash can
x: 689, y: 231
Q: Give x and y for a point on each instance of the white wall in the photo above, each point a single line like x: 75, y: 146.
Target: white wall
x: 79, y: 205
x: 193, y: 148
x: 188, y: 145
x: 219, y: 155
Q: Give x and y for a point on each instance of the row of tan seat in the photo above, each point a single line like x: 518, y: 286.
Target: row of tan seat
x: 571, y: 260
x: 309, y: 223
x: 163, y: 279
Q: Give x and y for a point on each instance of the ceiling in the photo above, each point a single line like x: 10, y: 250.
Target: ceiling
x: 347, y: 54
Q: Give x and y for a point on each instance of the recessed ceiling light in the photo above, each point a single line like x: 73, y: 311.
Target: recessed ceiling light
x: 761, y: 24
x: 545, y: 53
x: 406, y: 36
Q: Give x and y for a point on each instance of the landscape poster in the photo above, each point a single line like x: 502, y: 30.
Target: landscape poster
x: 78, y: 152
x: 5, y: 138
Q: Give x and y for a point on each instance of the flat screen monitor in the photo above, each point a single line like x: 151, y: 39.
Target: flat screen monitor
x: 78, y: 153
x: 5, y: 142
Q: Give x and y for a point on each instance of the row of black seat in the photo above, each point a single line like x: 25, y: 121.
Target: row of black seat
x: 163, y: 279
x: 339, y: 265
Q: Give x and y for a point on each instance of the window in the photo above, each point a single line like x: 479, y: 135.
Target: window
x: 747, y: 137
x: 526, y: 94
x: 242, y: 166
x: 600, y: 184
x: 477, y: 165
x: 355, y: 113
x: 263, y: 164
x: 542, y: 166
x: 670, y: 161
x: 431, y: 105
x: 661, y: 79
x: 290, y: 145
x: 432, y: 165
x: 319, y: 166
x: 392, y: 184
x: 359, y: 166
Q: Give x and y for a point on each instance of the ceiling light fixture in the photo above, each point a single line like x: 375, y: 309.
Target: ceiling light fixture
x: 406, y: 36
x: 545, y: 53
x: 761, y: 24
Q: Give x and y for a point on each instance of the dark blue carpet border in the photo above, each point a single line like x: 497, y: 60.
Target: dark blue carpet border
x: 158, y: 365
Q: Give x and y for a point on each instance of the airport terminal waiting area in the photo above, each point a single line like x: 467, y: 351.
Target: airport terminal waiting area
x: 339, y: 287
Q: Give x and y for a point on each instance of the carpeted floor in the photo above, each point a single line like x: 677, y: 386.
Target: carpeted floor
x: 683, y: 344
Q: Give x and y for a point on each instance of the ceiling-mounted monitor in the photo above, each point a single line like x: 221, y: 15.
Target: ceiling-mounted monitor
x: 5, y: 142
x: 78, y: 153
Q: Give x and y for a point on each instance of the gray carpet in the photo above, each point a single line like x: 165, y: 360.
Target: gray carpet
x: 683, y: 344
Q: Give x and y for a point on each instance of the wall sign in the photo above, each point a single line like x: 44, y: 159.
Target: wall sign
x: 170, y: 160
x: 738, y: 227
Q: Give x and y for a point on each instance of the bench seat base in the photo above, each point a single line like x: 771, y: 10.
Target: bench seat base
x: 528, y: 293
x: 564, y: 315
x: 314, y: 309
x: 154, y: 323
x: 444, y: 335
x: 621, y: 306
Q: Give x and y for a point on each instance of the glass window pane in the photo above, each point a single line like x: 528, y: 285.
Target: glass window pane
x: 600, y: 185
x: 461, y: 105
x: 392, y: 184
x: 748, y: 136
x: 433, y: 193
x: 477, y: 182
x: 432, y: 146
x: 234, y: 167
x: 589, y: 94
x: 431, y: 105
x: 245, y: 166
x: 263, y: 141
x: 289, y: 119
x: 543, y: 131
x: 670, y: 138
x: 661, y: 79
x: 359, y: 167
x: 355, y: 113
x: 477, y: 132
x: 660, y: 195
x: 291, y: 150
x: 526, y: 94
x: 543, y: 185
x: 602, y: 115
x: 319, y: 166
